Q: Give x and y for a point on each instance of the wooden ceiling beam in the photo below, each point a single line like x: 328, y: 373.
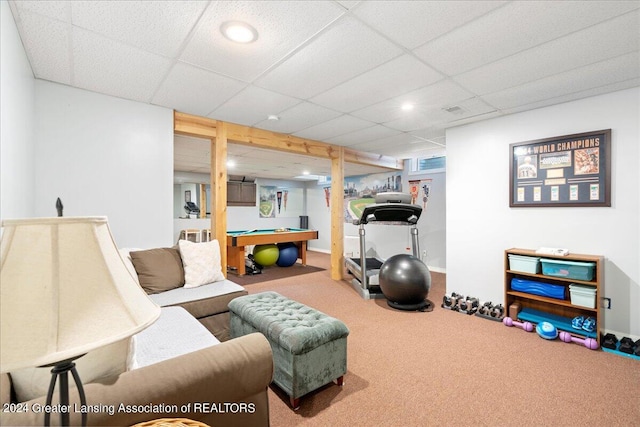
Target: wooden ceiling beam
x: 261, y: 138
x: 372, y: 159
x: 190, y: 125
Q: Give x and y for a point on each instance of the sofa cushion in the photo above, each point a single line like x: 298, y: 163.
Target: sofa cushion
x: 201, y: 261
x: 108, y: 361
x: 175, y: 333
x: 180, y: 296
x: 158, y: 269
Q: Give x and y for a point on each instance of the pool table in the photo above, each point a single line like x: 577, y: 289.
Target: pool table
x: 237, y: 240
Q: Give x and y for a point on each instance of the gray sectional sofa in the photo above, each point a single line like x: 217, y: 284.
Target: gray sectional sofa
x: 177, y: 368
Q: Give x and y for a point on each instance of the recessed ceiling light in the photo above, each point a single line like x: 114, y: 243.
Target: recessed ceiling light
x: 239, y: 32
x: 273, y: 117
x: 407, y: 106
x: 231, y: 163
x: 305, y: 172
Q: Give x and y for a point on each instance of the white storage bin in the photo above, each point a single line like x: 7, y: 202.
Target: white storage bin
x: 525, y: 264
x: 584, y: 296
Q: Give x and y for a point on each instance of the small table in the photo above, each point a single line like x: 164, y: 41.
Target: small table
x: 237, y: 240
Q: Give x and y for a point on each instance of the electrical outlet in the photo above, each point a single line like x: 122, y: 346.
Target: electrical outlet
x: 607, y: 303
x: 424, y: 254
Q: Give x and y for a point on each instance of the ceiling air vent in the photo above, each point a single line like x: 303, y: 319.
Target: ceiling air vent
x: 454, y: 109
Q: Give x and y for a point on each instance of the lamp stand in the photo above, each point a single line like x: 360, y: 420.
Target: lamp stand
x: 62, y: 369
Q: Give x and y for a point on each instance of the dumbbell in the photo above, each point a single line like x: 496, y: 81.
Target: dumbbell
x: 497, y: 311
x: 525, y: 326
x: 610, y: 341
x: 486, y: 308
x: 469, y: 305
x: 452, y: 301
x: 590, y: 343
x: 626, y: 345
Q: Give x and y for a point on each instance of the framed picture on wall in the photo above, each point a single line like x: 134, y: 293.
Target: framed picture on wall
x: 569, y: 170
x: 187, y: 196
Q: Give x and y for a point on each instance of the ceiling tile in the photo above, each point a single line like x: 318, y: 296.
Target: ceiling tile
x: 282, y: 27
x: 397, y: 140
x: 363, y: 135
x: 598, y: 42
x: 400, y: 75
x: 195, y: 91
x: 59, y: 10
x: 187, y: 143
x: 344, y: 50
x: 156, y: 26
x: 316, y: 61
x: 348, y: 4
x: 620, y: 69
x: 438, y: 95
x: 299, y: 117
x: 425, y: 19
x: 518, y: 25
x: 434, y: 136
x: 47, y: 42
x: 125, y: 71
x: 331, y: 128
x: 608, y: 88
x: 252, y: 106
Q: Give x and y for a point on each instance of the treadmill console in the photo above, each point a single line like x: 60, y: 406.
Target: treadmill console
x: 393, y: 197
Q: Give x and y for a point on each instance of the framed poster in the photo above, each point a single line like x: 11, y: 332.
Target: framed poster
x: 570, y: 170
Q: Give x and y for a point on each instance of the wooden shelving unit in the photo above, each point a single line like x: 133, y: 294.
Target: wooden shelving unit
x: 557, y: 311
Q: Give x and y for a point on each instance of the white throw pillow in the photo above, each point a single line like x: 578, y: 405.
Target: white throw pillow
x: 201, y: 262
x: 111, y: 360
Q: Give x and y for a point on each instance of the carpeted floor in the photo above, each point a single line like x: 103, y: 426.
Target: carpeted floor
x: 274, y: 272
x: 451, y: 369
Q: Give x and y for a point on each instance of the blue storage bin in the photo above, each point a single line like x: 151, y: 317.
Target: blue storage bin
x: 538, y: 288
x: 568, y: 269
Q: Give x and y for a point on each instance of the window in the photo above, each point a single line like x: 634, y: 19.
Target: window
x: 435, y: 164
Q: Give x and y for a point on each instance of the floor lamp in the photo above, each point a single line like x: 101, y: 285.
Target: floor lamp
x: 64, y: 291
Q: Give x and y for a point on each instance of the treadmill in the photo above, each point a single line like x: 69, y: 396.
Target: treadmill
x: 391, y: 208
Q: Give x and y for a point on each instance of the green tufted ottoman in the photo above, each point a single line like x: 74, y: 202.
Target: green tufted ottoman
x: 309, y: 347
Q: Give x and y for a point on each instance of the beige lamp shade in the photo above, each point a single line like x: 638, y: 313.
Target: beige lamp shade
x: 64, y: 290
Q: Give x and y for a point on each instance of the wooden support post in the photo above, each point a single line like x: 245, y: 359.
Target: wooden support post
x: 219, y: 191
x: 337, y: 214
x: 203, y: 201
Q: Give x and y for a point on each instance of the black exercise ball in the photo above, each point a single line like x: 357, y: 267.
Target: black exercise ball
x: 405, y: 282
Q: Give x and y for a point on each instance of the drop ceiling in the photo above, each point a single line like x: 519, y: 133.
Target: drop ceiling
x: 336, y: 71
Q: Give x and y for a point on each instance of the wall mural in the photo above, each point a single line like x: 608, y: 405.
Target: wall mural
x: 360, y: 191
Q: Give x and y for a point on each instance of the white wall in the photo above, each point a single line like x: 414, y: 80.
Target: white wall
x: 247, y: 218
x: 319, y: 217
x: 17, y: 117
x: 480, y: 224
x: 241, y: 217
x: 105, y: 156
x: 432, y: 225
